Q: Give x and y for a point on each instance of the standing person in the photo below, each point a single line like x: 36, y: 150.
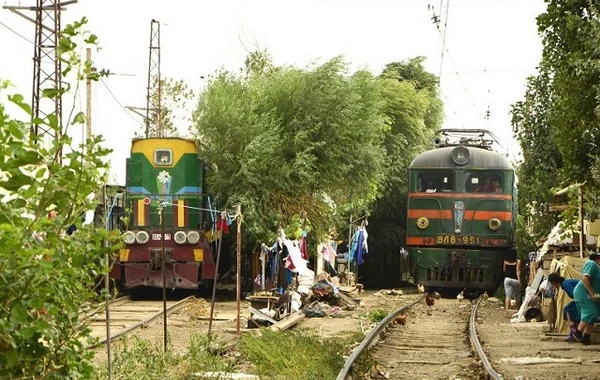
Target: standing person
x: 512, y: 279
x: 586, y: 296
x: 570, y: 311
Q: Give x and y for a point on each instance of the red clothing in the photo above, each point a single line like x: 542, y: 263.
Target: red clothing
x: 303, y: 248
x: 222, y: 225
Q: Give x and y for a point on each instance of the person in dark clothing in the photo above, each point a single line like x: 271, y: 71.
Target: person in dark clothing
x: 512, y: 279
x: 570, y: 311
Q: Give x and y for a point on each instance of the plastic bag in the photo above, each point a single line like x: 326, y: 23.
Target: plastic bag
x: 314, y: 310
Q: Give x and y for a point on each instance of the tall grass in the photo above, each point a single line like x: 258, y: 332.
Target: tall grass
x: 139, y: 359
x: 296, y: 354
x: 290, y: 354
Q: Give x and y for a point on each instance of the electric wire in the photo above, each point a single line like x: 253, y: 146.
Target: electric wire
x: 443, y: 38
x: 445, y: 51
x: 17, y: 33
x: 119, y: 103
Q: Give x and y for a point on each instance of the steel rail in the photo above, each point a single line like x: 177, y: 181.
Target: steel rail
x: 170, y: 309
x: 477, y: 345
x: 97, y: 309
x: 371, y: 338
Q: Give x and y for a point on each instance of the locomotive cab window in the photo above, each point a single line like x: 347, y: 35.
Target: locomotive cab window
x: 163, y: 157
x: 438, y: 181
x: 486, y: 182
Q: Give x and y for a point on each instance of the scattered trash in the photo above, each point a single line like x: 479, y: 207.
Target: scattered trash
x: 314, y: 310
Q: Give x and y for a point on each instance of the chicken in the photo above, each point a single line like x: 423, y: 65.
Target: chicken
x: 429, y: 299
x: 400, y: 320
x: 460, y: 296
x: 485, y: 295
x: 436, y: 295
x: 471, y: 295
x: 420, y: 289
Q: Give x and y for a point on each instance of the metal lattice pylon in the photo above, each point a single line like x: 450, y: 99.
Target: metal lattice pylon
x: 46, y: 67
x: 153, y: 97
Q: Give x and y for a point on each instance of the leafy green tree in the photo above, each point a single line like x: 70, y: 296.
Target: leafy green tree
x: 174, y: 97
x: 283, y: 139
x: 540, y: 169
x: 570, y: 31
x: 557, y: 124
x: 415, y: 111
x: 46, y: 275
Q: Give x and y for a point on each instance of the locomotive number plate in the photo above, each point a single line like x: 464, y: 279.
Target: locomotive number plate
x: 159, y: 236
x: 458, y: 240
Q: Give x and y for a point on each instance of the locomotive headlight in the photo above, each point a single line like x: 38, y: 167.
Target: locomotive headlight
x: 422, y: 222
x: 142, y: 237
x: 179, y: 237
x: 494, y: 224
x: 193, y: 237
x: 461, y: 155
x: 129, y: 237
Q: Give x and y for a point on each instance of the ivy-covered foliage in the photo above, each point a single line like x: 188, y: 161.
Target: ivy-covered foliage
x: 46, y: 275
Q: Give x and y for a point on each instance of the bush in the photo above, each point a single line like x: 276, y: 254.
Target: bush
x: 46, y: 275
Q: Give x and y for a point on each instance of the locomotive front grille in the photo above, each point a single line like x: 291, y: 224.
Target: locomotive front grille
x: 450, y: 274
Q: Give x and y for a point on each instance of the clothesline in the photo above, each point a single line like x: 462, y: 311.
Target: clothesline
x: 165, y: 203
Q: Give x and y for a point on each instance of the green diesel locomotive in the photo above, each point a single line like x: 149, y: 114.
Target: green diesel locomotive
x: 166, y: 211
x: 461, y: 213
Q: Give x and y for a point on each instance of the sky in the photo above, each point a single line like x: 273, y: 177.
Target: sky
x: 490, y: 47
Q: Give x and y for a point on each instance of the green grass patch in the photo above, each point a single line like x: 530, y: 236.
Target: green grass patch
x: 289, y: 354
x: 296, y: 354
x: 377, y: 316
x: 138, y: 359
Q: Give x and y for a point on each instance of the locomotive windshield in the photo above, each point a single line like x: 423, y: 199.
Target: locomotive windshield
x: 435, y: 181
x: 484, y: 182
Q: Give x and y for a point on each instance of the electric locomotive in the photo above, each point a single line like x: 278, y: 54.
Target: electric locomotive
x: 461, y: 213
x: 166, y: 217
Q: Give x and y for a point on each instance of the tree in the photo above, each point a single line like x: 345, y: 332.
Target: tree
x: 284, y: 139
x: 542, y: 161
x: 415, y: 111
x: 46, y: 276
x: 570, y: 31
x: 174, y: 95
x: 557, y: 124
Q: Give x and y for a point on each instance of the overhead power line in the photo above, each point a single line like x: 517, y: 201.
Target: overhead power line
x: 119, y: 103
x: 17, y: 33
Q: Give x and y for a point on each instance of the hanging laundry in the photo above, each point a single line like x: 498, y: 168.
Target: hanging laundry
x: 327, y: 251
x: 303, y: 247
x: 358, y: 246
x: 223, y: 223
x: 294, y: 260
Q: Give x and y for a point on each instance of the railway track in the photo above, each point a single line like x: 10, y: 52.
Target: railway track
x: 418, y: 341
x: 125, y: 316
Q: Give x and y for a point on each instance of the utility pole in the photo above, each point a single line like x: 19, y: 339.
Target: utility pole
x: 46, y: 65
x: 88, y: 101
x: 153, y: 98
x: 238, y: 278
x: 152, y: 114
